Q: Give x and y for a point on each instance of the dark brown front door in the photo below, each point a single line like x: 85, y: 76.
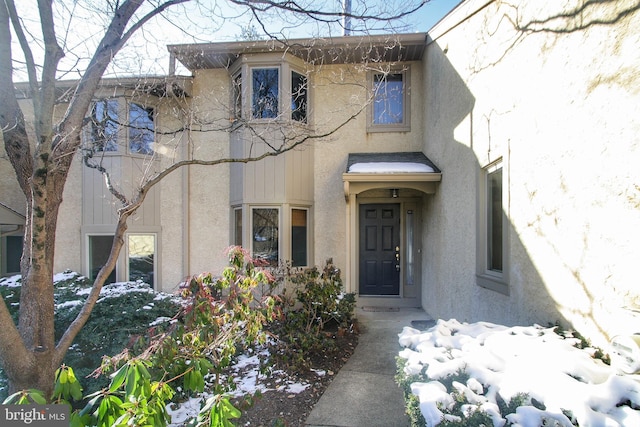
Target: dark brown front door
x: 379, y: 249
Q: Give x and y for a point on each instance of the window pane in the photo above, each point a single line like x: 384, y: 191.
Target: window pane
x: 409, y: 262
x: 104, y: 125
x: 265, y: 235
x: 388, y: 99
x: 237, y: 238
x: 298, y: 97
x: 299, y: 237
x: 14, y: 253
x: 141, y: 249
x: 494, y: 220
x: 265, y: 93
x: 237, y: 96
x: 141, y: 129
x: 99, y: 248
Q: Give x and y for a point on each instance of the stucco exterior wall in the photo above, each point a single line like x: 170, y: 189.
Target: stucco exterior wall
x: 551, y: 88
x: 338, y: 92
x: 208, y: 217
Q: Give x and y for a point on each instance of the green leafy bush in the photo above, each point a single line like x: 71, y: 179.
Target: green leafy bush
x: 319, y: 309
x: 219, y: 316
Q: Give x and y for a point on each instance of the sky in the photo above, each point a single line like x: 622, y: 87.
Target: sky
x: 79, y: 25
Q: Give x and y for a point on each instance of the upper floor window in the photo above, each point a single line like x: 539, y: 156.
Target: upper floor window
x: 298, y: 97
x: 236, y: 95
x: 389, y: 109
x: 141, y: 129
x: 114, y: 123
x: 269, y: 87
x: 265, y: 86
x: 104, y: 125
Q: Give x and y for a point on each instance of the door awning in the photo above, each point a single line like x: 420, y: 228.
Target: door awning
x: 366, y: 171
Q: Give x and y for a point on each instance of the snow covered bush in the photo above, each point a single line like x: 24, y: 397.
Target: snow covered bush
x: 126, y: 312
x: 459, y: 374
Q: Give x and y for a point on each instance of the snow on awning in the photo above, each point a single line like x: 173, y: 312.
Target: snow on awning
x: 390, y: 167
x: 366, y: 171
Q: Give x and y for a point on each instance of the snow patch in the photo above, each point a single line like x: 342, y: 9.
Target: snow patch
x: 504, y: 362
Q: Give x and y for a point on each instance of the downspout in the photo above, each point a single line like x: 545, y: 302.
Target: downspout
x: 186, y: 220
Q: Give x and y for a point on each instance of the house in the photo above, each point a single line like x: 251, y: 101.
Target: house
x: 485, y: 170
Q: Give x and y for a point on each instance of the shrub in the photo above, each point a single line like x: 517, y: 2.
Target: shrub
x: 200, y: 342
x: 124, y: 314
x: 308, y: 321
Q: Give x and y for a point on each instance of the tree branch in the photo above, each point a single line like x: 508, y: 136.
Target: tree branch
x: 28, y: 54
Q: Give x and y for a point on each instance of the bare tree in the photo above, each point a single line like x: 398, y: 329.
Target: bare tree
x: 42, y: 159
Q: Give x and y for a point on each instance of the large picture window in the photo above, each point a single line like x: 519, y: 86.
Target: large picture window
x: 265, y: 86
x: 265, y: 232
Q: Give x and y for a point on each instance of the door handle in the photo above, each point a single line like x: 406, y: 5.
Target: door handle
x: 397, y: 258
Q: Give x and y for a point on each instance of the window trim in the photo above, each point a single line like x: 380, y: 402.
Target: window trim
x: 485, y: 277
x: 405, y: 126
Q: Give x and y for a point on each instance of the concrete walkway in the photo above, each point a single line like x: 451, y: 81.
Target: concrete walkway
x: 364, y: 392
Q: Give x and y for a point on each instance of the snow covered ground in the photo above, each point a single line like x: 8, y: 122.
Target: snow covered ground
x: 248, y: 379
x: 503, y: 362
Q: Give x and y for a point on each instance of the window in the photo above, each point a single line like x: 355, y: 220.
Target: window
x: 298, y: 97
x: 299, y: 248
x: 492, y: 230
x: 237, y: 96
x: 494, y: 221
x: 12, y: 252
x: 99, y: 249
x: 389, y: 105
x: 237, y: 227
x: 141, y: 129
x: 104, y: 125
x: 265, y: 86
x: 265, y: 228
x: 141, y: 249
